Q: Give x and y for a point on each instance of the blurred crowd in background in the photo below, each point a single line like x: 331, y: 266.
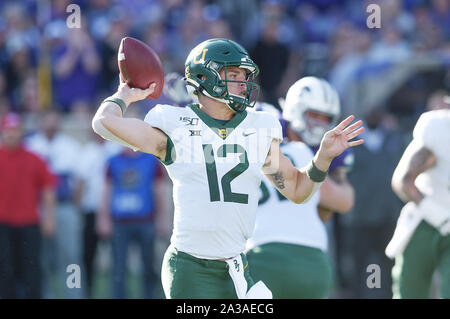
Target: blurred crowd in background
x: 55, y: 77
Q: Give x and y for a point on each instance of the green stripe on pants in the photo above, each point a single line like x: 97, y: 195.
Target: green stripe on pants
x: 185, y: 276
x: 413, y: 271
x: 292, y: 271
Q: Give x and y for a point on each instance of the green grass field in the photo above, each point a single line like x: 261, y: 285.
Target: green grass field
x: 102, y: 280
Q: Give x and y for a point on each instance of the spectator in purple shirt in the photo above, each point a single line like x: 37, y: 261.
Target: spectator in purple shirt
x: 76, y: 69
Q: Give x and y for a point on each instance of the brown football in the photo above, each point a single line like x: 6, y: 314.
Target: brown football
x: 139, y: 66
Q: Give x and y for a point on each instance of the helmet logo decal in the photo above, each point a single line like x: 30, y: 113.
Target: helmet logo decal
x: 202, y: 60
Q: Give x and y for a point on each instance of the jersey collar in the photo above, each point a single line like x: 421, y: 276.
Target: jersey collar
x: 221, y: 129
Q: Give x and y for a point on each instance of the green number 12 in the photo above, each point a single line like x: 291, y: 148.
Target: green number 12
x: 211, y: 172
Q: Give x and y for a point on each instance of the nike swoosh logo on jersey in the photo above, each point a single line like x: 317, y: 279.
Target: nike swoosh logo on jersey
x: 247, y: 133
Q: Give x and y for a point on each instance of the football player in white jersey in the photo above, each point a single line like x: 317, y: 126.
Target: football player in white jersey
x: 214, y: 152
x: 288, y: 249
x: 421, y: 240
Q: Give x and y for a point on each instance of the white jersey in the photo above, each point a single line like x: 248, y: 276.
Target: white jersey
x: 279, y: 220
x: 433, y: 131
x: 91, y: 169
x: 61, y: 152
x: 215, y: 168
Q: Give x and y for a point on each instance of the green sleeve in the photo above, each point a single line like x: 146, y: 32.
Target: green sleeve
x: 170, y: 152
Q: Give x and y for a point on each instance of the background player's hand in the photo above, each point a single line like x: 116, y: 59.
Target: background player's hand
x: 337, y: 140
x: 130, y: 95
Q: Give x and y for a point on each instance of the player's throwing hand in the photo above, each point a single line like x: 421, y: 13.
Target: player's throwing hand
x: 130, y: 95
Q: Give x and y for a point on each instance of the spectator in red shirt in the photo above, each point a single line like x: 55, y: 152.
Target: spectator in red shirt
x: 24, y: 180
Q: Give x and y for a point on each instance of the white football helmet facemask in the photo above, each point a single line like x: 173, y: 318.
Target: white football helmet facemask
x: 311, y: 94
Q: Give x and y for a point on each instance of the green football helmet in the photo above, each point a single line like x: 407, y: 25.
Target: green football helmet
x: 207, y: 59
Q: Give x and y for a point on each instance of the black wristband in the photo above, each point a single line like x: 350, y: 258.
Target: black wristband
x: 315, y: 174
x: 118, y: 101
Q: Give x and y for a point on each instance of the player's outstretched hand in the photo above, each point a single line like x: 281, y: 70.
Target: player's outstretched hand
x: 337, y: 140
x: 130, y: 95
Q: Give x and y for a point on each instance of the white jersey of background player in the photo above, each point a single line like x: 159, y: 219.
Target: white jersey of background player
x: 288, y: 249
x: 277, y: 219
x: 421, y: 241
x: 433, y: 130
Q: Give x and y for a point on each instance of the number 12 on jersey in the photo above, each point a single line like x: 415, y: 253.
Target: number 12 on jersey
x: 211, y: 172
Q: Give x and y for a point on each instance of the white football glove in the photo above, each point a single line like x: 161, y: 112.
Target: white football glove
x: 410, y: 217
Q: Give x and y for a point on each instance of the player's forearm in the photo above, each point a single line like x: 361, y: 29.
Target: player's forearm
x: 295, y: 185
x: 287, y: 184
x: 109, y: 123
x: 134, y: 133
x: 415, y: 160
x: 110, y: 116
x: 310, y: 178
x: 305, y: 187
x: 403, y: 186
